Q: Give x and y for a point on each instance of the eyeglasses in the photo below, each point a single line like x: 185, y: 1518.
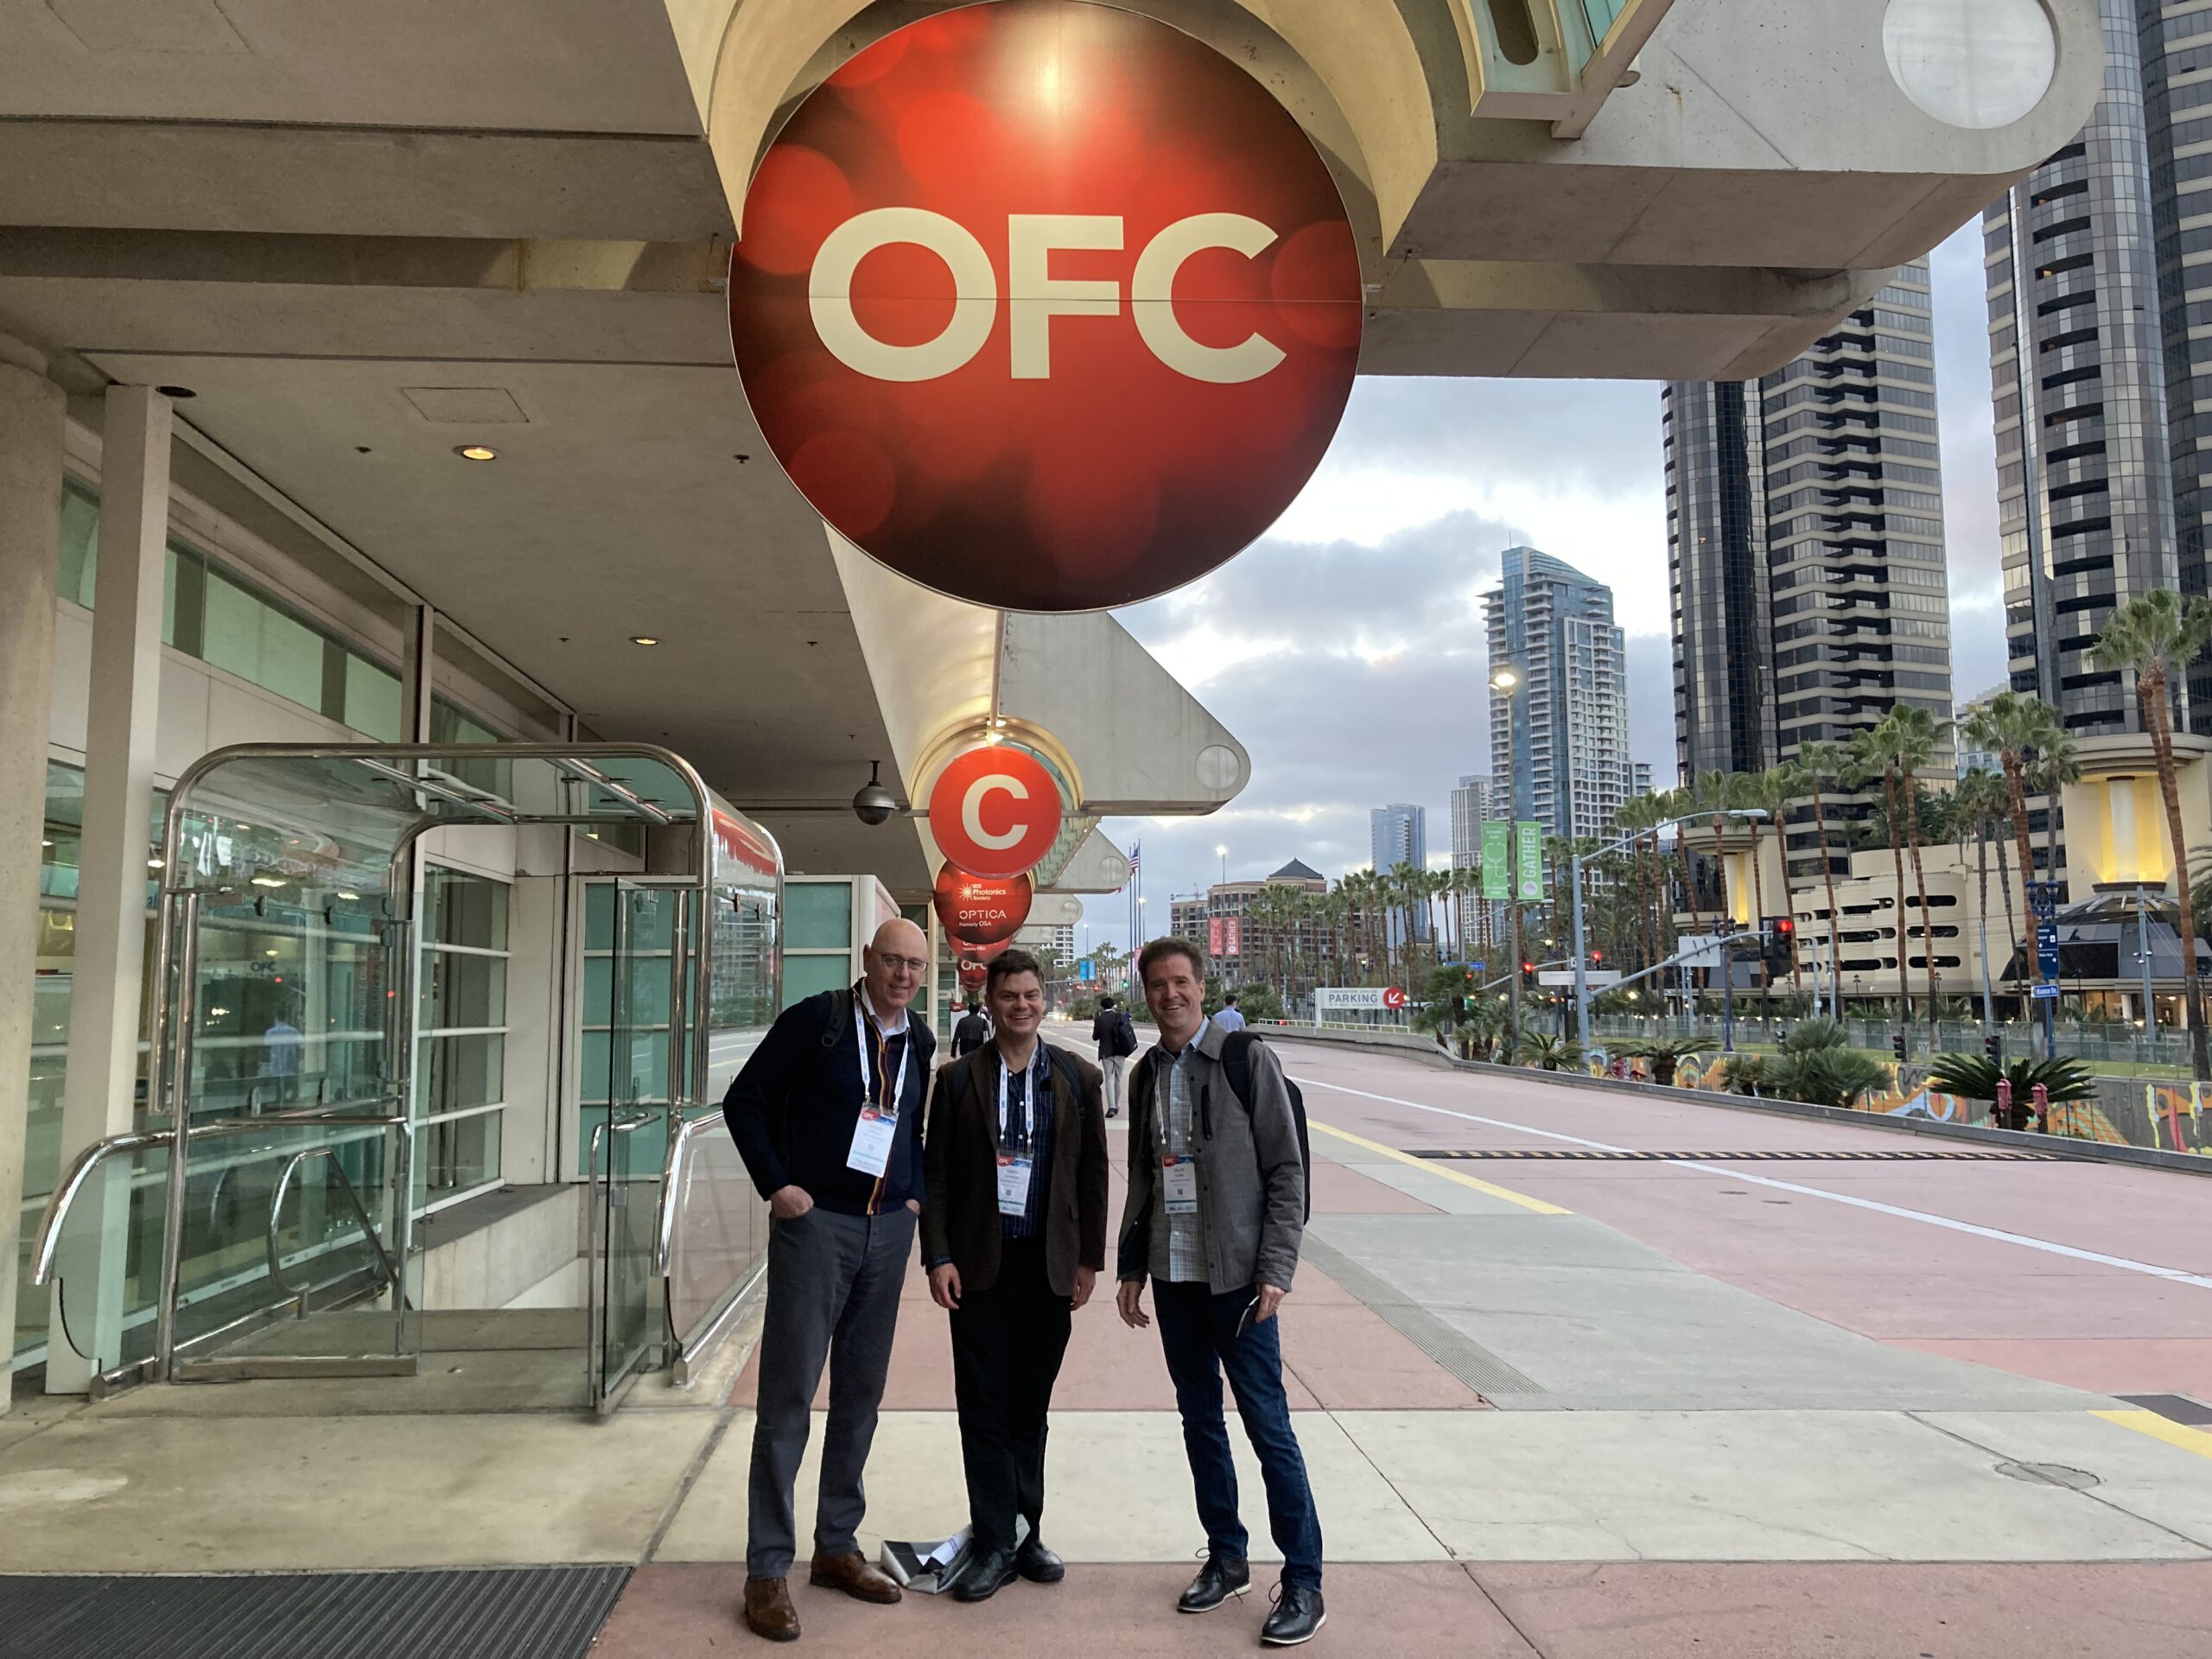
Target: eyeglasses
x: 911, y: 964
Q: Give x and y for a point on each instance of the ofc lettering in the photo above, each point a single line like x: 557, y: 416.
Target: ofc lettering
x: 1037, y: 296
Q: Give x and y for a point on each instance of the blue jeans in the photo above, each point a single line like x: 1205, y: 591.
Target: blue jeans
x: 1197, y: 1333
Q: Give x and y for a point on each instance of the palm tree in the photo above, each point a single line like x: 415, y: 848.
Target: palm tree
x: 2011, y: 726
x: 1825, y: 760
x: 1981, y: 805
x: 1911, y: 735
x: 2055, y: 764
x: 2150, y: 637
x: 1870, y: 757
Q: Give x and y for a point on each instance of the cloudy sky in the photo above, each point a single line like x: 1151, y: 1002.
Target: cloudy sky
x: 1345, y: 648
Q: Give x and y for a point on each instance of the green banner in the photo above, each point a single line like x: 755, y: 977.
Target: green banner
x: 1496, y: 883
x: 1532, y: 862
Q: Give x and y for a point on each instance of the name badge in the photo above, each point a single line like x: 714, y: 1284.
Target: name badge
x: 1179, y: 1177
x: 872, y: 1138
x: 1013, y: 1185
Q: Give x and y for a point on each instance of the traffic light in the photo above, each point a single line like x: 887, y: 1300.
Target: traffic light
x: 1597, y: 958
x: 1776, y: 934
x: 1897, y: 1043
x: 1994, y: 1045
x: 1527, y: 968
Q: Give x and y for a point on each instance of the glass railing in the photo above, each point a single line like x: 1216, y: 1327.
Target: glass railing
x: 100, y: 1265
x: 713, y: 1239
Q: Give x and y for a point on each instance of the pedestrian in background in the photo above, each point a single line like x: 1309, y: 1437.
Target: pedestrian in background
x: 1116, y: 1039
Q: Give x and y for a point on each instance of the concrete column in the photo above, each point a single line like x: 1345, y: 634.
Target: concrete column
x: 31, y: 552
x: 111, y: 949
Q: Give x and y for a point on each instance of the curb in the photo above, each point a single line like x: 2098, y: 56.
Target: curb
x: 2087, y: 1152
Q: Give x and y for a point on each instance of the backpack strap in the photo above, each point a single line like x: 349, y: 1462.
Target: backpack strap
x: 1236, y: 1062
x: 841, y: 1016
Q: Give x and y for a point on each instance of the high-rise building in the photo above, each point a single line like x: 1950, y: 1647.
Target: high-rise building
x: 1470, y: 807
x: 1639, y: 780
x: 1805, y: 548
x: 2079, y: 255
x: 1399, y: 834
x: 1560, y: 738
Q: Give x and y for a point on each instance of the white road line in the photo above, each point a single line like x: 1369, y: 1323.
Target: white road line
x: 2049, y: 1246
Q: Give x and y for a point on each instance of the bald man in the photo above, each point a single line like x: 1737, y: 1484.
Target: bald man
x: 827, y: 1114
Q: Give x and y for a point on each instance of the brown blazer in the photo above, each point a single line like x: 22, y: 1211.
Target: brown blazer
x: 960, y: 1211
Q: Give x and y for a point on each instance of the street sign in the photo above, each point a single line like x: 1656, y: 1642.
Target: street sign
x: 1393, y: 997
x: 2043, y: 993
x: 1087, y: 971
x: 1360, y: 998
x: 1599, y: 978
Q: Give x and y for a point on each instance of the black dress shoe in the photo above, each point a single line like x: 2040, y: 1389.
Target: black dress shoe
x: 1038, y: 1564
x: 987, y: 1574
x: 1221, y: 1577
x: 1298, y: 1614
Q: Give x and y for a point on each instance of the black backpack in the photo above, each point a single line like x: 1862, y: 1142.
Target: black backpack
x: 1236, y: 1061
x: 1125, y: 1033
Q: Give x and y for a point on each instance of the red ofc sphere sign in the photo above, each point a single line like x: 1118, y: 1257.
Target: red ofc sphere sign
x: 982, y: 909
x: 995, y: 810
x: 1045, y: 305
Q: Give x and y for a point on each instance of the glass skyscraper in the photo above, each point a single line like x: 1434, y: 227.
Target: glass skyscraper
x: 1560, y: 740
x: 1805, y: 548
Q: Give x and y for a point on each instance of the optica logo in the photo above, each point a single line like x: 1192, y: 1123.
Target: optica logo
x: 982, y: 909
x: 1046, y: 304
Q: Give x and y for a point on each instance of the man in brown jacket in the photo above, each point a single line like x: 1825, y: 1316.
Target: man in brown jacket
x: 1013, y: 1233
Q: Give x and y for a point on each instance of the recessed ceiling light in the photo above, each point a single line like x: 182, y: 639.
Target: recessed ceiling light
x: 477, y: 452
x: 644, y: 639
x: 176, y: 393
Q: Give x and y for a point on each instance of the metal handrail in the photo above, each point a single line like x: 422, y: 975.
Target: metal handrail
x: 671, y: 1178
x: 48, y: 1240
x: 594, y: 1261
x: 352, y: 1197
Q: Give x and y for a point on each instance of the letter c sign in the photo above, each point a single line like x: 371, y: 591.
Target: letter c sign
x: 1044, y: 304
x: 994, y: 811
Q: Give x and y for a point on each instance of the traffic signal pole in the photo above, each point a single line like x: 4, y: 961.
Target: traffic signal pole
x: 1513, y: 868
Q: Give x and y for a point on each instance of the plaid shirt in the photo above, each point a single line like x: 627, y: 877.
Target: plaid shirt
x: 1179, y: 1247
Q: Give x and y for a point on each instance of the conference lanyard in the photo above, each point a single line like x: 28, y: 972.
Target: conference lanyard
x: 1179, y: 1171
x: 1015, y: 1163
x: 878, y: 1126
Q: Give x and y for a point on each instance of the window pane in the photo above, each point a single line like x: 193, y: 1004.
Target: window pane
x: 458, y: 1072
x: 254, y: 640
x: 80, y: 523
x: 458, y: 1156
x: 818, y: 916
x: 372, y: 699
x: 463, y: 909
x: 804, y: 976
x: 463, y: 992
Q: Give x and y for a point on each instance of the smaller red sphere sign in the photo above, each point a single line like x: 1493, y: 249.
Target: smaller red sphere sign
x: 973, y: 974
x: 981, y: 956
x: 995, y: 810
x: 982, y: 909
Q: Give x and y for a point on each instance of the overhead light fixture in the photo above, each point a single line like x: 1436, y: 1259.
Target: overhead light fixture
x: 644, y: 639
x: 46, y: 843
x: 268, y: 881
x: 351, y: 897
x: 476, y: 452
x: 152, y: 863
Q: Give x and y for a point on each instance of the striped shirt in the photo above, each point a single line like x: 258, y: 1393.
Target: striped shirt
x: 1179, y: 1243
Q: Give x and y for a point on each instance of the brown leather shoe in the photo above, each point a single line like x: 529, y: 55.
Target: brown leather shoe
x: 768, y: 1610
x: 852, y: 1574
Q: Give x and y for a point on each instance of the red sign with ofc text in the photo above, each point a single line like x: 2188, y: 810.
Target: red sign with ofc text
x: 1046, y: 304
x: 995, y: 810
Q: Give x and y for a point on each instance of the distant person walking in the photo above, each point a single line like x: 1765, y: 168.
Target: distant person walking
x: 971, y: 1033
x: 1231, y: 1018
x: 827, y: 1113
x: 1116, y: 1038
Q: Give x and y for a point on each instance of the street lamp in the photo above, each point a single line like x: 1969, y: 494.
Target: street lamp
x: 1752, y: 814
x: 1222, y: 852
x: 1504, y: 681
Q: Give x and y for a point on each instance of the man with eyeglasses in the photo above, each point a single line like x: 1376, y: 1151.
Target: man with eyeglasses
x: 827, y: 1113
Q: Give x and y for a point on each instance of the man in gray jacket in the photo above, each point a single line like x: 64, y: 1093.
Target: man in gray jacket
x: 1215, y: 1216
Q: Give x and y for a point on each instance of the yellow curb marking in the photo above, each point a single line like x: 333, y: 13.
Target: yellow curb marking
x: 1436, y: 1168
x: 2162, y: 1428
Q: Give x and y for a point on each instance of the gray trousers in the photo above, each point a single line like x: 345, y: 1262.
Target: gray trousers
x: 833, y: 1295
x: 1109, y: 1067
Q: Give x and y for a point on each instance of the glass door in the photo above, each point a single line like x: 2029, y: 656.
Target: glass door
x: 635, y: 962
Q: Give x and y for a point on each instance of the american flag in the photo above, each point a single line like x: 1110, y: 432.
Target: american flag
x: 1136, y: 857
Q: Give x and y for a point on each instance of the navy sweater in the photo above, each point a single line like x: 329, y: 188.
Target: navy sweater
x: 792, y: 1110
